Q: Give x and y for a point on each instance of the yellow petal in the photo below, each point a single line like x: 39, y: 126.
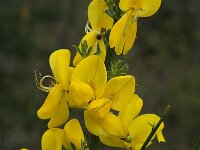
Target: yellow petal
x: 52, y: 139
x: 71, y: 69
x: 24, y: 149
x: 114, y: 141
x: 92, y: 124
x: 112, y: 125
x: 74, y: 134
x: 102, y: 49
x: 132, y: 109
x: 120, y: 90
x: 61, y: 114
x: 160, y: 137
x: 117, y: 36
x: 77, y: 59
x: 97, y: 16
x: 48, y: 108
x: 130, y: 37
x: 125, y: 5
x: 59, y: 62
x: 99, y: 108
x: 141, y: 127
x: 149, y: 7
x: 92, y: 71
x: 80, y: 94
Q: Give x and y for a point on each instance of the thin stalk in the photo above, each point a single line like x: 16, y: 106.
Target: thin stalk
x: 154, y: 129
x: 93, y: 142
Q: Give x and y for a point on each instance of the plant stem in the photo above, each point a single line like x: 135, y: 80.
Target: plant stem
x: 93, y: 142
x: 154, y: 129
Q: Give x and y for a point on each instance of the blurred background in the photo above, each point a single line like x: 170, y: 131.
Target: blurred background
x: 164, y: 60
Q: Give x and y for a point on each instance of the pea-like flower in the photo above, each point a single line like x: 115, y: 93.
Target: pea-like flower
x: 55, y: 106
x: 123, y: 33
x: 71, y: 136
x: 114, y: 94
x: 100, y: 22
x: 137, y: 128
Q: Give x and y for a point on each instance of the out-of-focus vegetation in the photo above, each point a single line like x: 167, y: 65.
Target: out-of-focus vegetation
x: 165, y: 62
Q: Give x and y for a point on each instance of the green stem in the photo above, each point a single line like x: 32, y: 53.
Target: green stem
x: 93, y: 142
x: 154, y: 129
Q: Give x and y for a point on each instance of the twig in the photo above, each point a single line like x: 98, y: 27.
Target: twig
x: 154, y: 129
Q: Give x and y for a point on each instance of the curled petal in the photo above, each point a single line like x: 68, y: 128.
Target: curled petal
x: 120, y: 90
x: 52, y: 139
x: 74, y: 134
x: 49, y: 107
x: 59, y: 62
x: 131, y: 111
x: 92, y: 71
x: 80, y: 94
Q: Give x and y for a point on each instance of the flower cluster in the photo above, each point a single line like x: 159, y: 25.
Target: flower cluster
x: 110, y: 104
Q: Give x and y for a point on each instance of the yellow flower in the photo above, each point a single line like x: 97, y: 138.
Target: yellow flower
x: 24, y: 149
x: 54, y: 138
x: 100, y: 22
x: 137, y: 128
x: 74, y: 134
x: 55, y: 106
x: 123, y: 33
x: 115, y: 94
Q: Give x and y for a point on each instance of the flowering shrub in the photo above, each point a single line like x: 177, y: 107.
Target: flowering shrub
x: 98, y: 84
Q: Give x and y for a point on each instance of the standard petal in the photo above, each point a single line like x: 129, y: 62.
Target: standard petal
x: 74, y: 134
x: 52, y: 139
x: 92, y: 71
x: 120, y: 90
x: 80, y: 94
x: 92, y: 124
x: 132, y: 109
x: 141, y: 127
x: 48, y: 108
x: 61, y: 114
x: 125, y: 5
x: 59, y: 62
x: 149, y: 7
x: 117, y: 34
x: 114, y: 141
x: 97, y: 16
x: 130, y: 37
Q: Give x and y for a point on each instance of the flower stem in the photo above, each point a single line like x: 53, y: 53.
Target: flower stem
x: 93, y: 142
x: 154, y: 129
